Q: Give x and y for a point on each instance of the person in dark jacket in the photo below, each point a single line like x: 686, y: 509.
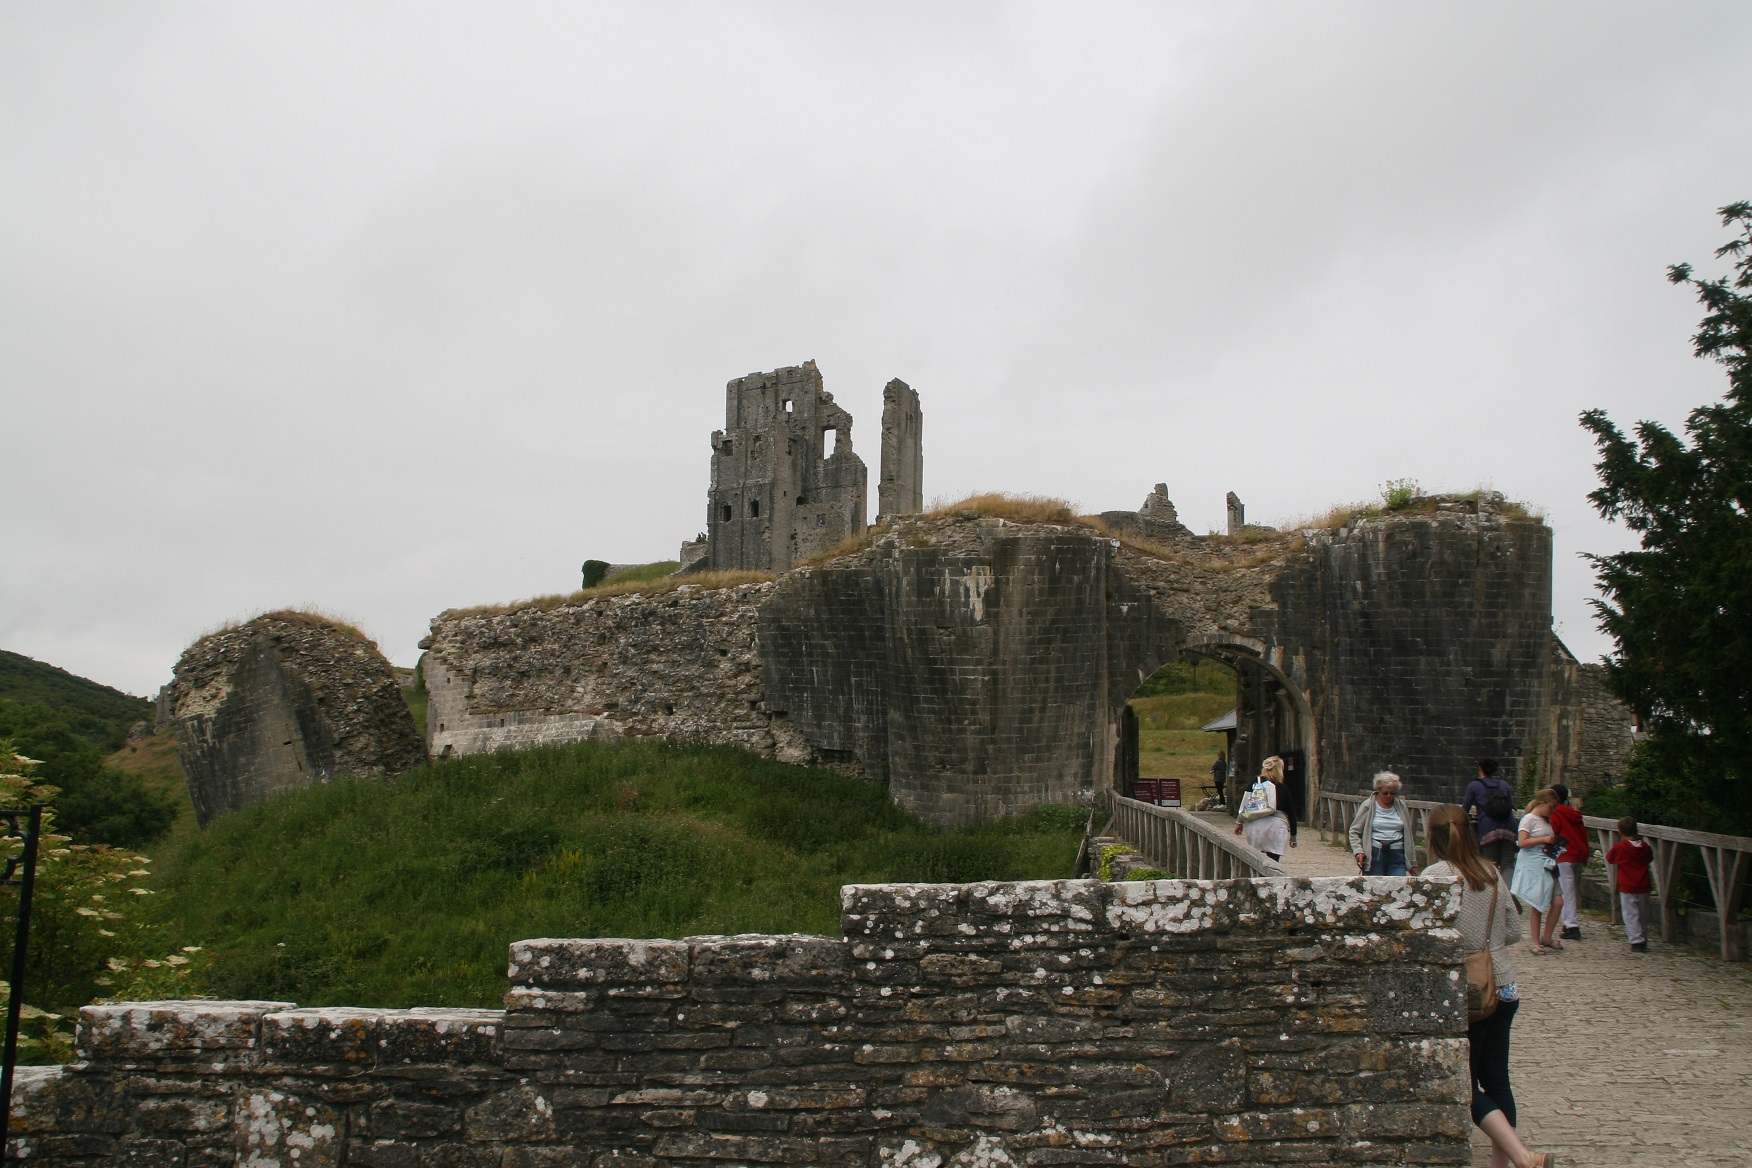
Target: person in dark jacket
x: 1490, y: 802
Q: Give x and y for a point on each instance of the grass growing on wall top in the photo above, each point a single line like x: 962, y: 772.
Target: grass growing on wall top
x: 1015, y: 508
x: 619, y: 586
x: 407, y: 893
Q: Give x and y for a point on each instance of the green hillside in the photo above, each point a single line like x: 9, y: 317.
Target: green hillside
x: 70, y: 724
x: 407, y: 893
x: 94, y: 712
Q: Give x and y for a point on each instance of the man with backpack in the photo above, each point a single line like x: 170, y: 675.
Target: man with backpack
x: 1490, y: 802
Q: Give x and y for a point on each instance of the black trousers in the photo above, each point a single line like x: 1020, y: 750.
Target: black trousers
x: 1488, y: 1041
x: 1502, y: 854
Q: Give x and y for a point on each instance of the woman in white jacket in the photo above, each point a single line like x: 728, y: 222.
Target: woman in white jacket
x: 1265, y: 827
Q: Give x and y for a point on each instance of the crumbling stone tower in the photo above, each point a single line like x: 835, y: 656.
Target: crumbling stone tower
x: 902, y: 488
x: 785, y: 482
x: 284, y: 701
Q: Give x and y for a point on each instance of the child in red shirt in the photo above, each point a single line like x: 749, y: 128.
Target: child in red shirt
x: 1631, y: 856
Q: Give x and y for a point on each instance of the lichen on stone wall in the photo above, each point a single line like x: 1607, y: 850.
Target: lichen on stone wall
x: 1040, y: 1022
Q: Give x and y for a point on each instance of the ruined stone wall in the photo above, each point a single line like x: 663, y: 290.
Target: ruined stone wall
x: 777, y: 495
x: 1047, y: 1023
x: 1588, y: 730
x: 680, y: 664
x: 901, y: 490
x: 981, y: 666
x: 282, y: 702
x: 976, y: 665
x: 1421, y: 642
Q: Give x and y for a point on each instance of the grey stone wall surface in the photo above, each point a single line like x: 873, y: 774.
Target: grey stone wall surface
x: 1588, y: 730
x: 901, y: 488
x: 1288, y: 1021
x: 778, y: 495
x: 681, y: 664
x: 1421, y: 642
x: 281, y: 702
x: 980, y: 667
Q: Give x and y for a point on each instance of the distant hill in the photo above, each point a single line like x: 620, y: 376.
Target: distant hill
x: 70, y: 724
x: 94, y: 712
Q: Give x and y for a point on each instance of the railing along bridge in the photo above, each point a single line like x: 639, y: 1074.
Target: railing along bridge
x: 1177, y: 841
x: 1726, y: 860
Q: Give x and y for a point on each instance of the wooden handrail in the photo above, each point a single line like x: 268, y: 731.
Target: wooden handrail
x: 1727, y: 859
x: 1179, y: 842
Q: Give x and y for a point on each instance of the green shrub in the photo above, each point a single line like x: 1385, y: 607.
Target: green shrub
x: 408, y: 892
x: 1399, y: 494
x: 97, y: 804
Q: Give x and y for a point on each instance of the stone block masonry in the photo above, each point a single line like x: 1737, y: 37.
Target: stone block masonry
x: 680, y: 664
x: 1043, y: 1023
x: 283, y: 701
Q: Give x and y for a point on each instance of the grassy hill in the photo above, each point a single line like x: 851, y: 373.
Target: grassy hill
x: 70, y: 724
x: 98, y: 714
x: 1171, y: 706
x: 408, y: 892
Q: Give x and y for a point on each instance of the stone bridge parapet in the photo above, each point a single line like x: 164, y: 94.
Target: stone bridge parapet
x: 1054, y: 1022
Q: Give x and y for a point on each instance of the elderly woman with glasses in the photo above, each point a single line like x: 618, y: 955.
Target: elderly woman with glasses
x: 1380, y: 835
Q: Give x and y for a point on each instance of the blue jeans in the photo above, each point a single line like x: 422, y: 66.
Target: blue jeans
x: 1388, y: 861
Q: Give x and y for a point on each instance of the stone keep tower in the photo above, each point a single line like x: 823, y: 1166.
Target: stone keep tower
x: 902, y: 489
x: 785, y: 482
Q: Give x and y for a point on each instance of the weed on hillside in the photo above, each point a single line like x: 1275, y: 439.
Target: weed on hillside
x: 407, y: 893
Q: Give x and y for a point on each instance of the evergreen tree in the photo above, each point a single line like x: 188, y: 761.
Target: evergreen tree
x: 1679, y: 608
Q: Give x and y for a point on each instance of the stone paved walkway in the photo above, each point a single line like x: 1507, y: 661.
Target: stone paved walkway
x: 1619, y: 1060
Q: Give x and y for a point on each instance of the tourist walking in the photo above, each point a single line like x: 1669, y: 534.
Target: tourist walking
x: 1487, y: 922
x: 1535, y: 883
x: 1380, y: 834
x: 1220, y: 778
x: 1631, y: 856
x: 1491, y: 803
x: 1266, y: 826
x: 1572, y: 833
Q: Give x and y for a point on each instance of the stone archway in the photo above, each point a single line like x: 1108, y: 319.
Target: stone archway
x: 1272, y: 713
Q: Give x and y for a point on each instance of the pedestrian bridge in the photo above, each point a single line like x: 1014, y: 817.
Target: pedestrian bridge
x: 1619, y: 1059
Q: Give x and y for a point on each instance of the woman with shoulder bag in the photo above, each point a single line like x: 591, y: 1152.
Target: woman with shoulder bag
x: 1266, y: 827
x: 1488, y: 925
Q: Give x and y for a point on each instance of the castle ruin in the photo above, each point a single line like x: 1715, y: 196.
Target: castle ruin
x: 902, y: 488
x: 786, y: 484
x: 980, y: 663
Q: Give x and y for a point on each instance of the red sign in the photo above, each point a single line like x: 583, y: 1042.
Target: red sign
x: 1167, y: 793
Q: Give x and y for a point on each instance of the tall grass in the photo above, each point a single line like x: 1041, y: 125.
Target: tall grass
x: 408, y: 892
x: 1015, y: 508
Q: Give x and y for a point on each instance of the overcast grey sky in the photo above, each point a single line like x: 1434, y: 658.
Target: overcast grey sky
x: 393, y: 307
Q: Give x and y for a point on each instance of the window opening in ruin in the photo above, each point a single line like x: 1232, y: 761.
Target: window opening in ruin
x: 729, y: 445
x: 789, y: 404
x: 727, y: 513
x: 802, y: 500
x: 830, y: 441
x: 754, y: 508
x: 821, y: 521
